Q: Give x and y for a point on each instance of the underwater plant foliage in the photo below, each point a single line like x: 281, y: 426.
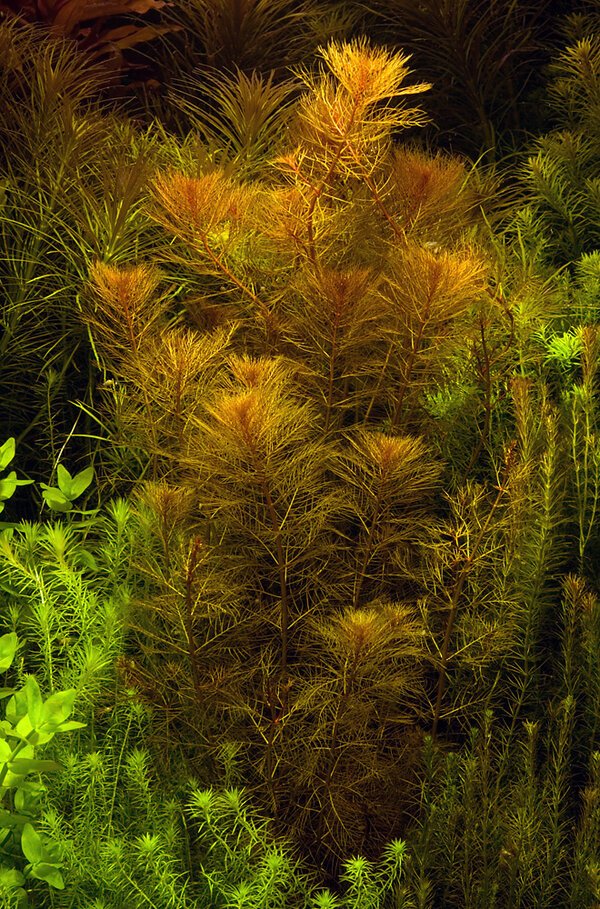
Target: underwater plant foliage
x: 484, y: 59
x: 299, y: 549
x: 345, y: 629
x: 72, y: 178
x: 560, y: 175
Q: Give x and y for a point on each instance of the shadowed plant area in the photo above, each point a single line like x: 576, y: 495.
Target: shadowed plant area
x: 252, y: 35
x: 318, y: 616
x: 71, y: 179
x: 480, y: 55
x: 101, y: 33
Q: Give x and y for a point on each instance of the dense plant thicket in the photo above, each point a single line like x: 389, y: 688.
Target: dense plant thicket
x: 349, y: 605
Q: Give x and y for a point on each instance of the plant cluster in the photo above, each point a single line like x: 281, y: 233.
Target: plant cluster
x: 338, y: 646
x: 293, y: 477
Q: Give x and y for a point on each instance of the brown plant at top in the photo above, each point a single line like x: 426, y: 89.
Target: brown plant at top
x: 251, y: 35
x: 344, y: 119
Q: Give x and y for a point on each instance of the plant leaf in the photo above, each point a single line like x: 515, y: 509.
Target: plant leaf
x: 81, y: 482
x: 31, y: 844
x: 56, y: 709
x: 7, y: 453
x: 65, y: 481
x: 8, y: 647
x: 44, y: 871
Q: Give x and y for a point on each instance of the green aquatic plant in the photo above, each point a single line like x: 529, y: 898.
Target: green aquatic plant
x: 8, y: 484
x: 560, y: 175
x: 240, y: 117
x: 30, y: 721
x: 512, y: 818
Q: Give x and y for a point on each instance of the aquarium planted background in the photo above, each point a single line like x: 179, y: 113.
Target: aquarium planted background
x: 300, y: 454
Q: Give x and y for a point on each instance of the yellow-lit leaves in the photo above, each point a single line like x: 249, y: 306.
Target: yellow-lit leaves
x: 245, y: 420
x: 262, y: 462
x: 126, y: 307
x: 256, y: 421
x: 368, y: 633
x: 348, y: 113
x: 397, y: 470
x: 343, y: 310
x: 369, y: 74
x: 259, y: 372
x: 196, y: 205
x: 358, y: 630
x: 426, y: 187
x: 178, y: 368
x: 430, y: 288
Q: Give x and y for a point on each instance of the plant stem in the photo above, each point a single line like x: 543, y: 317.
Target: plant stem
x: 457, y: 590
x: 189, y: 629
x: 332, y: 358
x: 360, y: 577
x: 281, y: 562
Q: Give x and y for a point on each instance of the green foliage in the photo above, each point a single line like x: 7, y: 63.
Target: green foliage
x: 561, y: 177
x: 125, y: 840
x: 65, y: 597
x: 68, y: 598
x: 250, y: 35
x: 58, y: 499
x: 240, y: 118
x: 498, y: 825
x: 69, y: 488
x: 30, y: 722
x: 217, y: 851
x: 241, y: 865
x: 9, y: 483
x: 246, y: 869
